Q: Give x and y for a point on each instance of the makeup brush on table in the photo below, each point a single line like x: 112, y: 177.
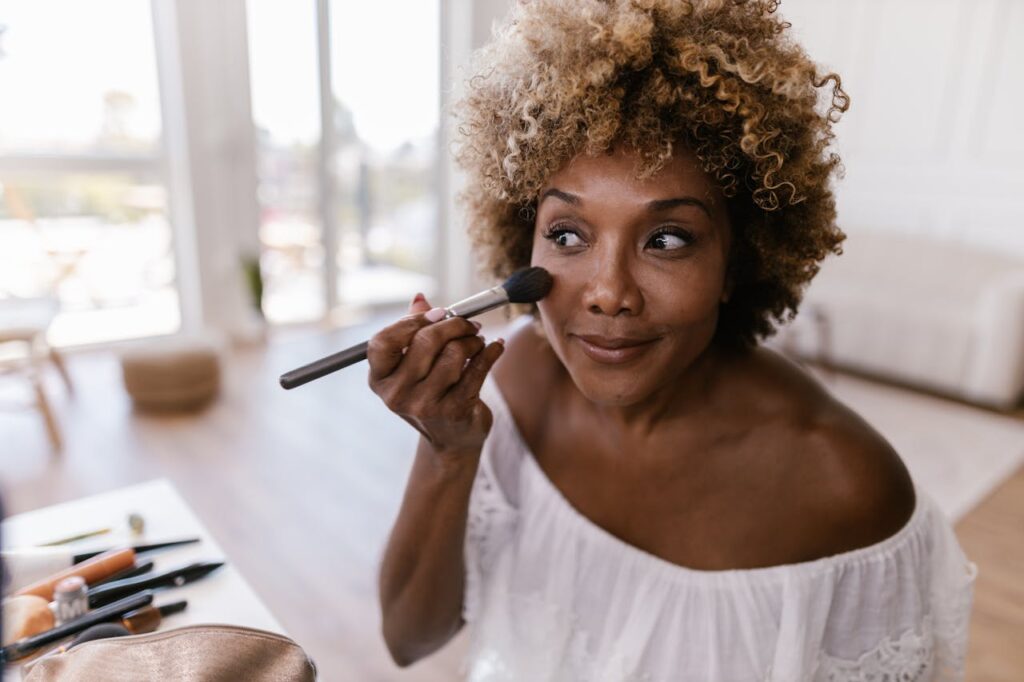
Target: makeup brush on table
x: 523, y: 286
x: 177, y: 577
x: 138, y: 548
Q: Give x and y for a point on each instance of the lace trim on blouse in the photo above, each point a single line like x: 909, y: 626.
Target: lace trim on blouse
x: 933, y: 650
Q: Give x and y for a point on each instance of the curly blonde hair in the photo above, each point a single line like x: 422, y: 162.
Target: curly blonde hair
x: 721, y: 77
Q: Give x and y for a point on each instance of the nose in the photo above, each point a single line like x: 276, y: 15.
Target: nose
x: 613, y: 288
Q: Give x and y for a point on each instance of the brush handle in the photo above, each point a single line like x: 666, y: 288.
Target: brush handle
x: 93, y: 570
x: 324, y: 366
x: 490, y: 299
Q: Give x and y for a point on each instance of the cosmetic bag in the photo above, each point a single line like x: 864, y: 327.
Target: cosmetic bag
x: 196, y: 653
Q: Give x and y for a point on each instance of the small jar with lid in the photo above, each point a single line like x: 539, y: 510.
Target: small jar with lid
x: 70, y: 599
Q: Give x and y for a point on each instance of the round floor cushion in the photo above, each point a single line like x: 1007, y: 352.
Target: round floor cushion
x: 181, y: 374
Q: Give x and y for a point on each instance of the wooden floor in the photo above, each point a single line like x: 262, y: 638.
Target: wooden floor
x: 300, y: 489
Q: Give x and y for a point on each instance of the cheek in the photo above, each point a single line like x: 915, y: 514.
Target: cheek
x: 567, y: 276
x: 688, y: 290
x: 539, y: 255
x: 701, y: 290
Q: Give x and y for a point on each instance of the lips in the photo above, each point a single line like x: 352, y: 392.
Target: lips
x: 613, y: 350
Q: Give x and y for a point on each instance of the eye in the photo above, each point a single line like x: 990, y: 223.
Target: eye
x: 670, y: 240
x: 563, y: 237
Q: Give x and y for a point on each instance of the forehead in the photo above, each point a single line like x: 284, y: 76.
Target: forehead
x: 616, y: 172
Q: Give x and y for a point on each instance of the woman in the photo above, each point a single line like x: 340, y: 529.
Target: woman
x: 638, y: 490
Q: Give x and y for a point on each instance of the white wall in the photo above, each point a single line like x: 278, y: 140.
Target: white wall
x: 929, y: 142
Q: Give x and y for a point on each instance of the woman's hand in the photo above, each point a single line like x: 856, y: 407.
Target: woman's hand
x: 429, y: 372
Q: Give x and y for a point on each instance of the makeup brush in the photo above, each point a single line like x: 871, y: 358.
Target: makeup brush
x: 139, y: 549
x: 523, y: 286
x: 177, y: 577
x: 130, y: 572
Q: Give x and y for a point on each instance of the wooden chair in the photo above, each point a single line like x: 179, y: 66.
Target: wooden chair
x: 24, y: 352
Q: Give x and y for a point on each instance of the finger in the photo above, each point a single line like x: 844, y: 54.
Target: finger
x: 385, y: 349
x: 468, y: 387
x: 419, y: 304
x: 426, y: 346
x: 448, y: 368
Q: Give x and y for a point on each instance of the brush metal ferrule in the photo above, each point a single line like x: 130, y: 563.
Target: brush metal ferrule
x: 476, y: 304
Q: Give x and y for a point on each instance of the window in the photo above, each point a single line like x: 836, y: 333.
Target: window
x: 348, y: 217
x: 386, y: 131
x: 82, y: 199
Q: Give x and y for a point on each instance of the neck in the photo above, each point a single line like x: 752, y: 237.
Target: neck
x: 684, y: 397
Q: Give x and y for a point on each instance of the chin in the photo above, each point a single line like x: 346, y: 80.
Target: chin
x: 617, y: 388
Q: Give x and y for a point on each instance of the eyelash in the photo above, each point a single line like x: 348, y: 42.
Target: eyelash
x: 553, y: 232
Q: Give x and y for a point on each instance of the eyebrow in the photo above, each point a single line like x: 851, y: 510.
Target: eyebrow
x: 656, y: 206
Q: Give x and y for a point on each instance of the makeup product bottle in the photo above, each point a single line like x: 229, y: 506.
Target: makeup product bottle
x: 70, y: 599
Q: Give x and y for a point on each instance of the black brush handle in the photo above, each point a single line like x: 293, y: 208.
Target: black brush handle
x: 526, y: 285
x: 324, y: 366
x: 130, y: 572
x: 174, y: 578
x: 85, y: 556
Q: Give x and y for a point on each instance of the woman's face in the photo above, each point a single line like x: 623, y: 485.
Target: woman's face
x: 639, y: 269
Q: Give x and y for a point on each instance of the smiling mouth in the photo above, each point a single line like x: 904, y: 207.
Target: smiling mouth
x: 613, y: 351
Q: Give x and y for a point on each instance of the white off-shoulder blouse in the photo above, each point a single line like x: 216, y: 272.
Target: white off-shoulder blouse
x: 552, y: 597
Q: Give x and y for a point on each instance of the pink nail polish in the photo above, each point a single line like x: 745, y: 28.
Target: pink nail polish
x: 419, y: 298
x: 434, y: 314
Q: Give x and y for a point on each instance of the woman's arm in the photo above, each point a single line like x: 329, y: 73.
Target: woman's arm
x: 422, y: 576
x: 430, y: 373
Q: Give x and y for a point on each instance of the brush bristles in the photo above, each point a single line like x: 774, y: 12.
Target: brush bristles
x: 527, y: 285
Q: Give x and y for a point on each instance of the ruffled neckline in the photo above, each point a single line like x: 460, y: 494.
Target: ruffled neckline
x: 680, y: 573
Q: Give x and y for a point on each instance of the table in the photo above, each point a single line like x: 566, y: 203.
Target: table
x: 221, y: 597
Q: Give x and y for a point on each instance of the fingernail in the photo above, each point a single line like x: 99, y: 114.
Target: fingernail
x: 475, y: 324
x: 434, y: 314
x: 501, y: 341
x: 419, y: 298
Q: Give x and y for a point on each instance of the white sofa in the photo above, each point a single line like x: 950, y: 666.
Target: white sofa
x: 941, y: 315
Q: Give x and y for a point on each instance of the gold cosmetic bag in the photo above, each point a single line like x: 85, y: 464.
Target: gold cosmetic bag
x: 196, y: 653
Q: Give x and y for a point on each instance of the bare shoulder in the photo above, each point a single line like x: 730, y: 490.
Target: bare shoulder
x: 855, y: 484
